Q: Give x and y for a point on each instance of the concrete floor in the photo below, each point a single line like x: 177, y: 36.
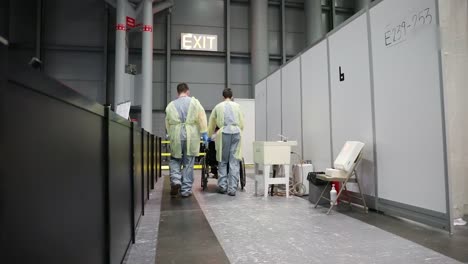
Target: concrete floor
x: 278, y: 230
x: 185, y: 235
x: 144, y: 249
x: 438, y: 240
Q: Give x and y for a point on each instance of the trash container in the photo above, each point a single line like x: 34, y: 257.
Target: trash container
x: 316, y: 188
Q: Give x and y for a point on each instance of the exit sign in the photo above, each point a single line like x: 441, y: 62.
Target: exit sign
x: 190, y: 41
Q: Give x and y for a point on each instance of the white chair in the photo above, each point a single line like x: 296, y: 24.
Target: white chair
x: 344, y: 171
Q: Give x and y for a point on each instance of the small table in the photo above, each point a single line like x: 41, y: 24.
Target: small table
x: 267, y: 154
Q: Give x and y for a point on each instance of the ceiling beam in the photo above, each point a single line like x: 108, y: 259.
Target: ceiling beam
x: 160, y: 6
x: 112, y: 3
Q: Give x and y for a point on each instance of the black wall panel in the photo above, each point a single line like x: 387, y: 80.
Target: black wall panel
x: 160, y: 157
x: 3, y: 65
x: 74, y: 176
x: 155, y: 159
x: 148, y: 165
x: 144, y: 166
x: 152, y: 155
x: 137, y: 175
x: 120, y: 193
x: 4, y: 19
x: 52, y: 180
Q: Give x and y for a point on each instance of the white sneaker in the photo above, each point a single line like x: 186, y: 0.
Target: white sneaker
x: 459, y: 222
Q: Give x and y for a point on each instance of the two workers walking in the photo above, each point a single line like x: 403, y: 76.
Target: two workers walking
x: 186, y: 123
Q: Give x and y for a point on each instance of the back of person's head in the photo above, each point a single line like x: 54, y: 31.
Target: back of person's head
x: 227, y: 93
x: 182, y: 88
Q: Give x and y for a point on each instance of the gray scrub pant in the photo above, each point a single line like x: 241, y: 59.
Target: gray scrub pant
x: 183, y: 176
x: 228, y: 182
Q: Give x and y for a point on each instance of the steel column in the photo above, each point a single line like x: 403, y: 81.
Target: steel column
x: 105, y: 85
x: 259, y: 41
x: 168, y: 58
x: 120, y: 52
x: 333, y: 14
x: 39, y: 32
x: 227, y: 4
x: 147, y: 67
x: 313, y: 17
x: 283, y: 32
x: 360, y: 4
x: 4, y: 20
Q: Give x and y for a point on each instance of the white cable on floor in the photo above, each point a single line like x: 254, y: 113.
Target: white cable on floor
x: 298, y: 188
x: 295, y: 188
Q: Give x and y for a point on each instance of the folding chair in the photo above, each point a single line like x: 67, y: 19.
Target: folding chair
x: 345, y: 171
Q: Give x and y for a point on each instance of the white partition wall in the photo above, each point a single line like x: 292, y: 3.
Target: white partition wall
x: 409, y: 111
x: 260, y: 111
x: 351, y: 104
x: 248, y: 135
x: 376, y: 78
x: 273, y: 106
x: 455, y: 94
x: 316, y: 145
x: 291, y: 103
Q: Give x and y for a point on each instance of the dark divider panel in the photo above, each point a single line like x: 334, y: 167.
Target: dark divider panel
x: 155, y: 159
x: 148, y: 164
x: 73, y: 174
x: 137, y: 175
x: 120, y: 183
x: 152, y: 161
x: 144, y: 155
x: 3, y: 65
x: 160, y: 158
x: 52, y: 166
x: 143, y: 176
x: 158, y: 153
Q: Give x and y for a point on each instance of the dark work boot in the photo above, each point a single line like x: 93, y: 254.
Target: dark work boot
x: 175, y: 190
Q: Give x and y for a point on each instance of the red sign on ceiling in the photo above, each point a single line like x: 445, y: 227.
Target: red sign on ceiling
x: 131, y: 22
x: 148, y: 28
x: 120, y: 27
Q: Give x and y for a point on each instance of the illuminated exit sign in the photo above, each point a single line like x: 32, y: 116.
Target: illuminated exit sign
x: 190, y: 41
